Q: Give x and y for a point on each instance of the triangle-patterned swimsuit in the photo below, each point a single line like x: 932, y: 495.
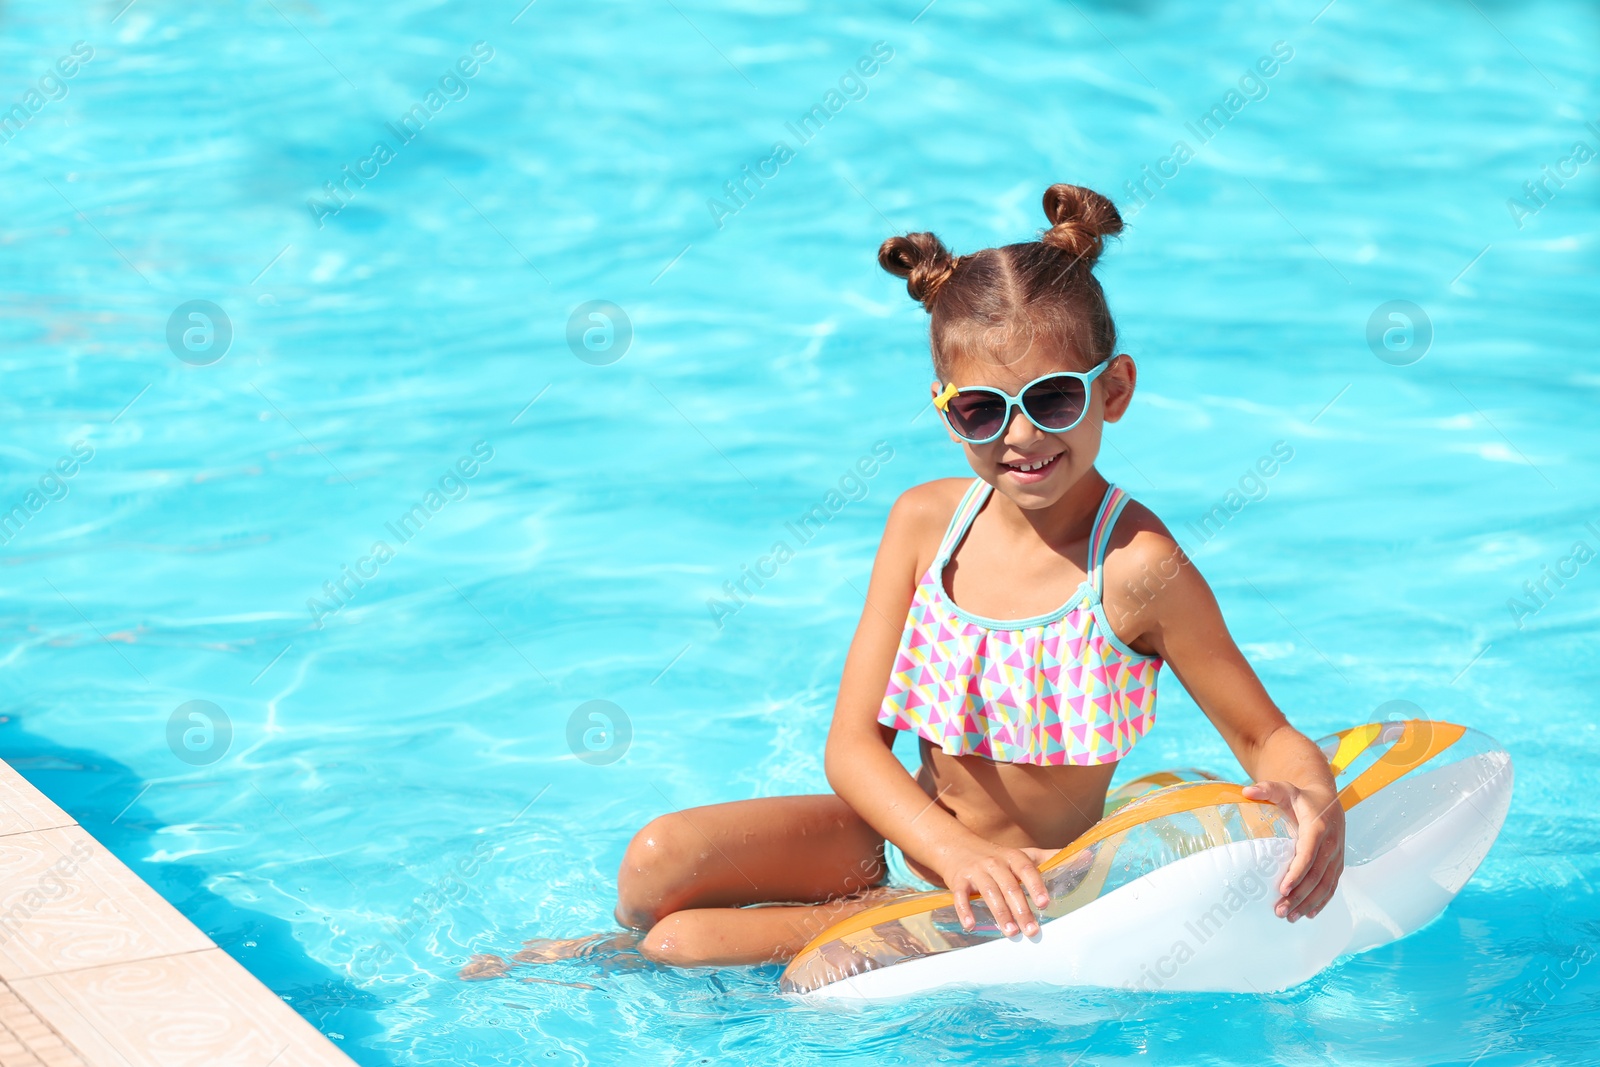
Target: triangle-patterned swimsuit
x: 1054, y: 690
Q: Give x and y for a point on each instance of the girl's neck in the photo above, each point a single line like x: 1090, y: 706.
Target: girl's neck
x: 1069, y: 519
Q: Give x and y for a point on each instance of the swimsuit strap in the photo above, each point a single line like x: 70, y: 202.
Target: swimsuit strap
x: 961, y: 521
x: 1100, y: 537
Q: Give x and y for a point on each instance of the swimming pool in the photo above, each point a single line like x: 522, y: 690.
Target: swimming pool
x: 398, y: 785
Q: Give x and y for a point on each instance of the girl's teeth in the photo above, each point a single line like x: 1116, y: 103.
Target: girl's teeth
x: 1033, y: 466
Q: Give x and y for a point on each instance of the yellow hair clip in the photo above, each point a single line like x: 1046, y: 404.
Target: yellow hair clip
x: 942, y: 401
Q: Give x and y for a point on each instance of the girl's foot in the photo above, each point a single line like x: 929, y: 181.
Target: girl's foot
x: 481, y: 966
x: 555, y: 949
x: 486, y: 965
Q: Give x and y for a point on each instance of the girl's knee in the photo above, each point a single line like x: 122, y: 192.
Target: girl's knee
x: 658, y: 858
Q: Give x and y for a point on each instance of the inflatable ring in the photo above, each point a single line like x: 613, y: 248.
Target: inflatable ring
x: 1174, y: 889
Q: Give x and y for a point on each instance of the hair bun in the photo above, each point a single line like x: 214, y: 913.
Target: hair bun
x: 922, y: 260
x: 1080, y: 221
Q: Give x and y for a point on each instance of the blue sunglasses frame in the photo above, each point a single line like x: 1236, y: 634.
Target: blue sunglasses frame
x: 1014, y: 402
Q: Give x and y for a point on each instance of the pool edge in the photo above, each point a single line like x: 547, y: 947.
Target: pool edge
x: 96, y: 968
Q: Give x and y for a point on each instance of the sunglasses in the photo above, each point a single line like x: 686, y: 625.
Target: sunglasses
x: 1055, y: 403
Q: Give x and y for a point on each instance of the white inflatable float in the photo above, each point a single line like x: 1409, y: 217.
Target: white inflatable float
x: 1174, y: 889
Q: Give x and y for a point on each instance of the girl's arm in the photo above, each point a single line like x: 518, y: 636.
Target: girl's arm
x: 1178, y: 619
x: 860, y: 761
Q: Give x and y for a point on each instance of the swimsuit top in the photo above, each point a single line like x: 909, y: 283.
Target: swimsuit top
x: 1053, y: 690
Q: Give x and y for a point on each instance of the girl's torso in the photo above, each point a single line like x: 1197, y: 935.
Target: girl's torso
x: 1015, y: 804
x: 1025, y: 755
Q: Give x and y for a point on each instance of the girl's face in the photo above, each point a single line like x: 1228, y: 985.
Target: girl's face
x: 1068, y: 456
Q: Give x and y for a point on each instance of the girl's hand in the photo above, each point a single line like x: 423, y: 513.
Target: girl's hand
x: 1005, y: 878
x: 1319, y: 846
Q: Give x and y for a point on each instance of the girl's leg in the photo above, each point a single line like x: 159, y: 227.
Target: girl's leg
x: 723, y: 937
x: 695, y: 937
x: 686, y: 880
x: 804, y: 849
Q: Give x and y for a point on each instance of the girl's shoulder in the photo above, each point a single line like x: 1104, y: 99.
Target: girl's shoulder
x: 937, y: 499
x: 1141, y: 550
x: 920, y: 515
x: 929, y: 507
x: 1139, y: 537
x: 1136, y: 518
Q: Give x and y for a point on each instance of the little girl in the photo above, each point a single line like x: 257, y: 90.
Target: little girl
x: 1016, y: 624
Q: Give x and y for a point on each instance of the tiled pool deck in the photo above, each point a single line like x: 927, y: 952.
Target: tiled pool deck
x: 97, y: 970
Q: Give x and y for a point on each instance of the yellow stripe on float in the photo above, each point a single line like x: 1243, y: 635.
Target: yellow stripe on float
x: 1404, y: 755
x: 1354, y: 741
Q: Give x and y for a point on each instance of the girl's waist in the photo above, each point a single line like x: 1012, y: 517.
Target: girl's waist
x: 1015, y: 804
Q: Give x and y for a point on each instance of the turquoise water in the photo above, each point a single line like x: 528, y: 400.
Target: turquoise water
x: 398, y: 789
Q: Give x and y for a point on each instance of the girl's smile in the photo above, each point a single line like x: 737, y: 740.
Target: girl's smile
x: 1028, y: 471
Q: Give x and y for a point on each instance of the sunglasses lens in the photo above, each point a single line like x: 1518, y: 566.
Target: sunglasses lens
x: 977, y: 416
x: 1056, y: 403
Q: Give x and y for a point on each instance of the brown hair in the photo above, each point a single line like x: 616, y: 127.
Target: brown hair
x: 1043, y: 290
